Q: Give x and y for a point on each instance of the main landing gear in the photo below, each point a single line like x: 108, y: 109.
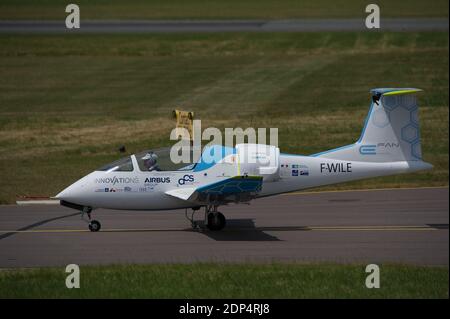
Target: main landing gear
x: 213, y: 219
x: 94, y: 225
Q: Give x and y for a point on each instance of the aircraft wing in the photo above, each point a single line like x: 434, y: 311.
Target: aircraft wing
x: 237, y: 188
x: 182, y: 193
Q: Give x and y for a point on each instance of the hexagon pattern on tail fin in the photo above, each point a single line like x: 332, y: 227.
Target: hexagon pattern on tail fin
x: 391, y: 131
x: 393, y: 127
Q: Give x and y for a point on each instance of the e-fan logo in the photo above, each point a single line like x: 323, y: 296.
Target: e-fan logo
x: 368, y: 150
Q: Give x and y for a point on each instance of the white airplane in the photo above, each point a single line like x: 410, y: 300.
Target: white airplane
x: 389, y: 144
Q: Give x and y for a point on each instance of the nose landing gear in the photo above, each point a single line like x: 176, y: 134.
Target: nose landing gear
x: 94, y: 225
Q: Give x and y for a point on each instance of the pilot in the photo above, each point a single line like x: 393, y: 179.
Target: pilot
x: 151, y: 161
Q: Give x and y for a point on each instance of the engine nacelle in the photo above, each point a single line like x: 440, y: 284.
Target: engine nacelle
x: 259, y: 160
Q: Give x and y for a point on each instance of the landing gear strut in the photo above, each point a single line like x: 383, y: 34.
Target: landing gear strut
x: 94, y: 225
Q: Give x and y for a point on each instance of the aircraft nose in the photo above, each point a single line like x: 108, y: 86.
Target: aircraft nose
x: 75, y: 193
x: 64, y: 194
x: 69, y: 193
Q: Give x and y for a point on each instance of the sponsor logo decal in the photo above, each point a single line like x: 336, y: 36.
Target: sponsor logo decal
x: 157, y: 180
x: 304, y: 170
x: 151, y: 182
x: 186, y: 180
x: 114, y: 180
x: 336, y: 167
x: 108, y: 190
x: 299, y: 170
x: 113, y: 190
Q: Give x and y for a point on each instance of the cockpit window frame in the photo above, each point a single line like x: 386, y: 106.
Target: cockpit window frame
x: 185, y: 167
x: 111, y: 167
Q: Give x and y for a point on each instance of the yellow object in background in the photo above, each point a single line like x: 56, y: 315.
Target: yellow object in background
x: 184, y: 120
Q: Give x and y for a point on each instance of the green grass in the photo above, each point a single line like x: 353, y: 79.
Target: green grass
x: 217, y: 9
x: 68, y: 102
x: 227, y: 281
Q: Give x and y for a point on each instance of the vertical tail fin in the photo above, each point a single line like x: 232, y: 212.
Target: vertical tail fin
x: 391, y: 132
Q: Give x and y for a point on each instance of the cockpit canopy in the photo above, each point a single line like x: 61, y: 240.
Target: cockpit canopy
x: 159, y: 160
x: 150, y: 160
x: 122, y: 165
x: 264, y: 157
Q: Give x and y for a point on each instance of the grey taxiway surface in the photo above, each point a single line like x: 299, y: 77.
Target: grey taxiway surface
x: 165, y: 26
x: 395, y: 226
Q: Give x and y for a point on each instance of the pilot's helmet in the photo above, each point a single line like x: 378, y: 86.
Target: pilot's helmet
x: 150, y: 159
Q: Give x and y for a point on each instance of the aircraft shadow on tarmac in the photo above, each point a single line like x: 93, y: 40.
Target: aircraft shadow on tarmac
x: 241, y: 230
x: 236, y: 230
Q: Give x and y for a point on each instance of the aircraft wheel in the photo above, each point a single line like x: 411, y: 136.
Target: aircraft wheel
x: 216, y: 221
x: 94, y: 226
